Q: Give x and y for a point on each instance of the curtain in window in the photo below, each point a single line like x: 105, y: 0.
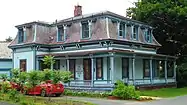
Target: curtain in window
x: 99, y: 68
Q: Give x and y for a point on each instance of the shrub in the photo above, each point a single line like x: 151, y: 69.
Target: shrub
x: 14, y: 95
x: 5, y: 86
x: 3, y: 77
x: 182, y: 75
x: 66, y: 76
x: 86, y: 93
x: 125, y: 92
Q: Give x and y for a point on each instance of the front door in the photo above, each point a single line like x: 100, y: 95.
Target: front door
x: 87, y: 69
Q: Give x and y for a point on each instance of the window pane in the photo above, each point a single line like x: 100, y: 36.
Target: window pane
x: 72, y: 67
x: 125, y: 67
x: 122, y: 29
x: 120, y: 33
x: 23, y: 65
x: 135, y: 30
x: 56, y: 66
x: 99, y: 67
x: 170, y: 68
x: 21, y: 35
x: 161, y: 68
x: 85, y: 30
x: 146, y: 68
x: 61, y: 34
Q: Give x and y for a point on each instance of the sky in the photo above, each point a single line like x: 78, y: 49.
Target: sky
x: 15, y: 12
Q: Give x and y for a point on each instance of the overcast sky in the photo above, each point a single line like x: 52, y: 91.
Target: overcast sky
x: 15, y: 12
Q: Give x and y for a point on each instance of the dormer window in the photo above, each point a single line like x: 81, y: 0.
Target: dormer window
x: 147, y: 35
x: 20, y: 35
x: 135, y: 32
x: 85, y: 30
x: 122, y: 30
x: 61, y: 34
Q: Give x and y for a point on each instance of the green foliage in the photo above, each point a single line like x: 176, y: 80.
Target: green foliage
x: 125, y: 92
x: 46, y: 75
x: 3, y: 77
x: 34, y: 78
x: 23, y: 77
x: 14, y: 95
x: 168, y: 19
x: 49, y: 61
x: 182, y: 75
x: 57, y: 76
x: 18, y: 99
x: 86, y: 94
x: 66, y: 76
x: 15, y: 75
x: 5, y: 86
x: 9, y: 39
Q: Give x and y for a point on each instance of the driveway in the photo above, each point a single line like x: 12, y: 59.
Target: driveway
x: 182, y: 100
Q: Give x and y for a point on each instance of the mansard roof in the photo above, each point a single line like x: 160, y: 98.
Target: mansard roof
x: 102, y: 13
x: 48, y: 33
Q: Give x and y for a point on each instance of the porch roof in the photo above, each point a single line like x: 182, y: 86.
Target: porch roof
x: 116, y: 51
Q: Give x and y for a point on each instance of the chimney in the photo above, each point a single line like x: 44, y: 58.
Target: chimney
x: 78, y: 10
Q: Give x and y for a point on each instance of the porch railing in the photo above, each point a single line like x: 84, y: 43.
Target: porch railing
x: 147, y: 81
x: 88, y: 83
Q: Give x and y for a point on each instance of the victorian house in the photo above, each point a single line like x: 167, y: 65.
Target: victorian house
x: 98, y: 48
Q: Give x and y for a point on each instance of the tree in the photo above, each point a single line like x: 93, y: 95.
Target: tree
x: 49, y: 61
x: 168, y: 18
x: 9, y: 39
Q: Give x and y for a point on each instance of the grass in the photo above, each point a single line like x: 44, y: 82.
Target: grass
x: 165, y: 92
x: 31, y: 100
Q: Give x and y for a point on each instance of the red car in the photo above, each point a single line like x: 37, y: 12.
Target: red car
x: 14, y: 86
x: 45, y: 89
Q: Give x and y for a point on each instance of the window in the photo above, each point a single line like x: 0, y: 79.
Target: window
x: 85, y: 30
x: 72, y: 67
x: 146, y: 68
x: 56, y: 65
x: 135, y: 33
x: 122, y: 30
x: 42, y: 66
x: 147, y: 35
x: 99, y: 68
x: 23, y: 65
x: 60, y: 34
x: 170, y: 68
x: 125, y: 68
x: 155, y: 68
x: 20, y: 35
x: 161, y: 68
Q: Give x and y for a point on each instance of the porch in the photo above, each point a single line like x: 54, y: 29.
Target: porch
x: 101, y: 69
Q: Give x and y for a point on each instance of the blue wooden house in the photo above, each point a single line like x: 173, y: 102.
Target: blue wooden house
x: 98, y: 48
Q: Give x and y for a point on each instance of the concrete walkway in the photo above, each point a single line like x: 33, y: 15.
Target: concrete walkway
x: 182, y: 100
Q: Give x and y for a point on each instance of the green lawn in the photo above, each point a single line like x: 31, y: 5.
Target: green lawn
x: 165, y: 92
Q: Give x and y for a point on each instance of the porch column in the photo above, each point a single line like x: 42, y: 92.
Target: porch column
x: 67, y: 64
x: 174, y: 67
x: 151, y: 70
x: 112, y: 67
x: 166, y: 73
x: 133, y: 71
x: 92, y: 69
